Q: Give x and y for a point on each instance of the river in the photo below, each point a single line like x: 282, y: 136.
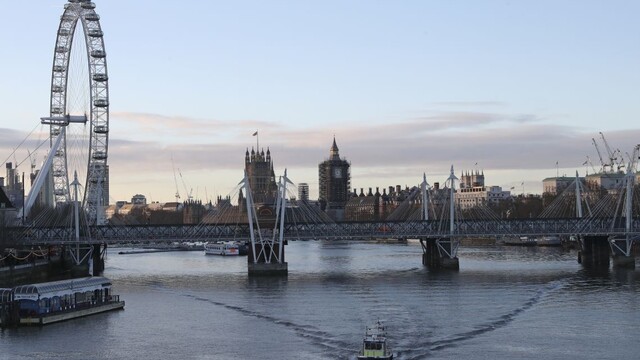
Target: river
x: 504, y: 303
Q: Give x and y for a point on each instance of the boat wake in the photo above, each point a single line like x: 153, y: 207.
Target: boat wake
x: 310, y: 333
x: 481, y: 329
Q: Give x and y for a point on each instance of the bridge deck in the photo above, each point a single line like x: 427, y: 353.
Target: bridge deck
x: 329, y: 231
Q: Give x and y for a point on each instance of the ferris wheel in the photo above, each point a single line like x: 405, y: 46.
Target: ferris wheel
x: 79, y: 109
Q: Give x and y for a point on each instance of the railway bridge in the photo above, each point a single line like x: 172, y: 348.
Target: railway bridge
x: 600, y: 235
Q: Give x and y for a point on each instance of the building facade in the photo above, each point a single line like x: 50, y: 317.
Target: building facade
x: 303, y: 192
x: 556, y: 185
x: 262, y: 179
x: 473, y: 192
x: 334, y: 180
x: 610, y: 182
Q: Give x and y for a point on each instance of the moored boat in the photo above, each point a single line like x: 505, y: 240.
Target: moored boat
x: 548, y: 241
x: 50, y: 302
x: 374, y: 345
x: 534, y: 241
x: 222, y: 248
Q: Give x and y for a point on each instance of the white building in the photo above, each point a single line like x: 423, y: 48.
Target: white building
x: 556, y: 185
x: 473, y: 191
x: 470, y: 197
x: 610, y: 182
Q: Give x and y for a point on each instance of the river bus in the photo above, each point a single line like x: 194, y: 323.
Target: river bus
x: 222, y: 248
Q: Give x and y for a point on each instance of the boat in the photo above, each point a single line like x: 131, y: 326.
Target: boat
x: 54, y: 301
x: 534, y: 241
x: 374, y: 345
x: 548, y: 241
x: 520, y: 241
x: 222, y: 248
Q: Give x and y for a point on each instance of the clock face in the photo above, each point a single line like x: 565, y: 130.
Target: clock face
x: 337, y: 173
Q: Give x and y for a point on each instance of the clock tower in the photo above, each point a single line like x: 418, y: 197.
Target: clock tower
x: 334, y: 183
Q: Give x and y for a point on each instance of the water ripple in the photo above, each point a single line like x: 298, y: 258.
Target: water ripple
x: 481, y: 329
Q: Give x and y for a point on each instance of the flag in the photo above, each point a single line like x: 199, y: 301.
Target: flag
x: 476, y: 164
x: 585, y: 163
x: 255, y: 134
x: 522, y: 184
x: 556, y: 163
x: 513, y: 187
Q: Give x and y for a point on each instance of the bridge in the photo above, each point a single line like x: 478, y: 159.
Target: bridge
x: 598, y: 235
x: 361, y: 230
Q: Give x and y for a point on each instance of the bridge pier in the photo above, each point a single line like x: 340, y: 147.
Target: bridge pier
x: 436, y: 254
x: 621, y: 253
x: 260, y: 267
x: 97, y: 256
x: 594, y: 251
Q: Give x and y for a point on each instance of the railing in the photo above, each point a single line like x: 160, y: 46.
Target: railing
x: 343, y: 230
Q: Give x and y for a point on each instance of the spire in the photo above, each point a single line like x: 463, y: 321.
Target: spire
x: 334, y: 155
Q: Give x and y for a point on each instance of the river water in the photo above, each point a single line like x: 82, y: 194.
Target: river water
x: 504, y: 303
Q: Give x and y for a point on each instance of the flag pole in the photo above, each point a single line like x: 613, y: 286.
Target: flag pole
x: 257, y: 141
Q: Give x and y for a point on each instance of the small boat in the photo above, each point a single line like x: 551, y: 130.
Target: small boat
x: 520, y: 241
x: 374, y: 345
x: 548, y: 241
x: 534, y: 241
x: 222, y: 248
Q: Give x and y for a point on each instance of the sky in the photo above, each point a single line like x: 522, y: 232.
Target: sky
x: 516, y: 89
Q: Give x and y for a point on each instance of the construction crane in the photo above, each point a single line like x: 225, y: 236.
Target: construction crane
x: 634, y: 159
x: 589, y: 163
x: 189, y: 193
x: 599, y: 155
x: 175, y: 179
x: 612, y: 154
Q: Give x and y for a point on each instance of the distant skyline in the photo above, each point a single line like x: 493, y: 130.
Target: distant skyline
x: 406, y: 87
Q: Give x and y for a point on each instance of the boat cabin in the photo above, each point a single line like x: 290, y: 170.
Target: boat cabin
x: 57, y: 296
x: 374, y: 345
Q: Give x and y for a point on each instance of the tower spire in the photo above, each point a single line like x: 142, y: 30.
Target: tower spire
x: 333, y: 152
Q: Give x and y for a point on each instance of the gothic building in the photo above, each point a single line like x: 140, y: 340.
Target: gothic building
x: 473, y: 192
x: 335, y: 183
x: 262, y: 179
x: 472, y: 179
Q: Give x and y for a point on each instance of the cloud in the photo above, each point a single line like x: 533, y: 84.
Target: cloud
x: 380, y: 153
x: 473, y: 104
x: 495, y: 141
x: 181, y: 126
